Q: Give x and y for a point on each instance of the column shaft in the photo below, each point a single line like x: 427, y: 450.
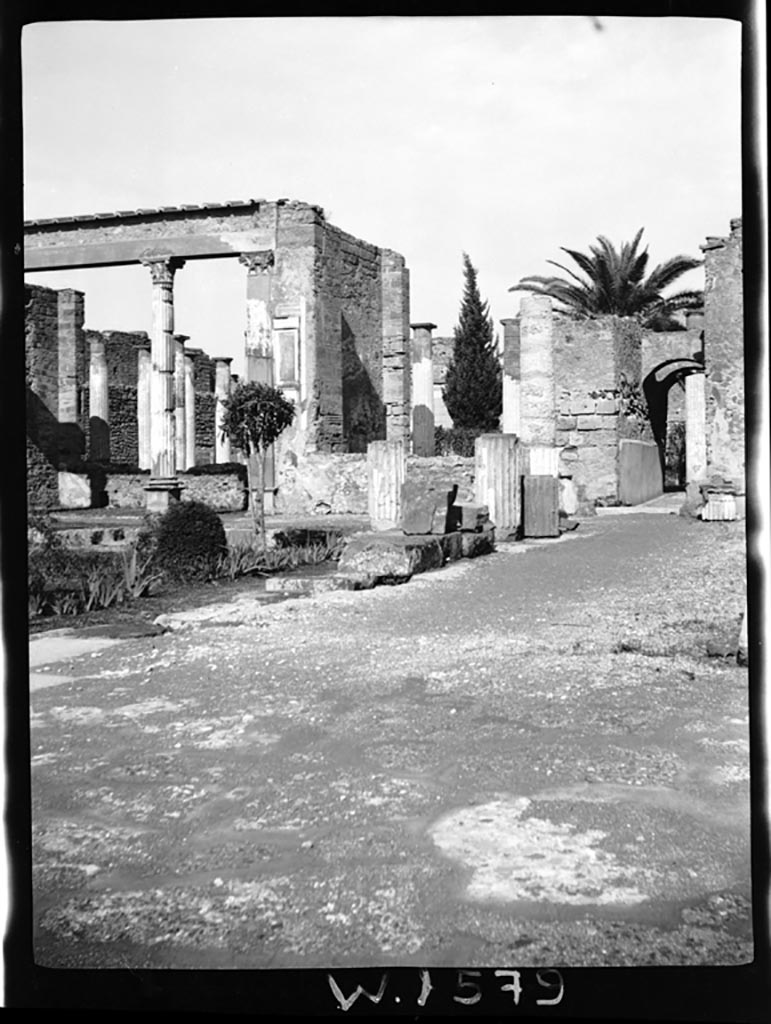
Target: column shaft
x: 538, y: 421
x: 98, y: 403
x: 259, y: 341
x: 163, y: 485
x: 180, y: 420
x: 144, y: 373
x: 422, y: 390
x: 497, y: 480
x: 221, y: 391
x: 695, y: 428
x: 386, y: 465
x: 189, y: 412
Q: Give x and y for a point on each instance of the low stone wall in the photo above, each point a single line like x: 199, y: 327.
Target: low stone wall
x: 639, y: 472
x: 323, y: 482
x: 438, y: 468
x: 224, y: 492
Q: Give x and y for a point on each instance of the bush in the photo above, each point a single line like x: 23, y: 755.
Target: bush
x: 61, y: 581
x: 456, y: 441
x: 184, y: 544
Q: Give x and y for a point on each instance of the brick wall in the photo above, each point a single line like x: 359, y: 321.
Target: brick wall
x: 41, y: 343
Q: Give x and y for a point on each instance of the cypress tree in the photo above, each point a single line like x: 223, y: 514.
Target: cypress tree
x: 473, y: 387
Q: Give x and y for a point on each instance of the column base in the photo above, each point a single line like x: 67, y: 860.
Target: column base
x: 161, y: 492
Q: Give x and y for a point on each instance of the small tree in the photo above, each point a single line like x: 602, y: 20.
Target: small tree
x: 473, y: 386
x: 254, y: 416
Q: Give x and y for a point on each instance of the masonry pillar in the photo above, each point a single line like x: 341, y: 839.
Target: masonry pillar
x: 163, y: 487
x: 497, y: 480
x: 386, y: 464
x: 537, y: 409
x: 71, y: 373
x: 422, y: 390
x: 695, y: 428
x: 98, y: 403
x: 144, y: 373
x: 397, y: 376
x: 221, y: 391
x: 180, y: 418
x: 259, y: 342
x: 511, y: 420
x: 189, y: 462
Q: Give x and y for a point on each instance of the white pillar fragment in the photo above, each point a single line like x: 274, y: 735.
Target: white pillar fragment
x: 695, y: 428
x: 143, y: 407
x: 221, y: 392
x: 386, y: 468
x: 98, y: 402
x: 422, y: 390
x: 497, y: 480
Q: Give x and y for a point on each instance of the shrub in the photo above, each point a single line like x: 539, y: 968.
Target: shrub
x: 184, y: 544
x: 456, y: 441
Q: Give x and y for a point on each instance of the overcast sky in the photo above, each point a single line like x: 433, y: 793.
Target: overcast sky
x: 505, y: 137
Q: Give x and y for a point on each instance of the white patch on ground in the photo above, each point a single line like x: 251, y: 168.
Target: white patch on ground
x: 731, y: 773
x: 42, y: 680
x: 46, y: 650
x: 531, y: 859
x: 79, y: 716
x: 151, y: 706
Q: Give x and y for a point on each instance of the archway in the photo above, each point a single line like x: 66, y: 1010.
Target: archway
x: 677, y: 418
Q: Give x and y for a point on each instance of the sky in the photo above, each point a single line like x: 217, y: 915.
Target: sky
x: 502, y: 137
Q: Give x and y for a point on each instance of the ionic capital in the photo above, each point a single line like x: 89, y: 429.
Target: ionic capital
x: 257, y: 262
x: 162, y: 268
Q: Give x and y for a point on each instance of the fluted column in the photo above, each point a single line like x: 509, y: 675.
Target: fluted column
x: 180, y: 421
x: 511, y: 420
x: 695, y: 428
x: 163, y: 486
x: 422, y: 390
x: 221, y: 392
x: 98, y: 403
x: 144, y: 373
x: 497, y: 480
x: 259, y: 340
x: 386, y: 466
x: 189, y: 411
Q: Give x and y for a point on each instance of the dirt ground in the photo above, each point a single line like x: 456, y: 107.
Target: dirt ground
x: 535, y: 757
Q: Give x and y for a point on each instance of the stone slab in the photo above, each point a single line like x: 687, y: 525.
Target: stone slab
x: 74, y: 490
x: 467, y: 516
x: 315, y: 584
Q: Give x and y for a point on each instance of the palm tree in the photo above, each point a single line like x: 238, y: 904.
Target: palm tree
x: 616, y: 285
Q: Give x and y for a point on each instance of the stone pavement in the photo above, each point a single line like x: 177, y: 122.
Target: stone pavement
x: 526, y: 758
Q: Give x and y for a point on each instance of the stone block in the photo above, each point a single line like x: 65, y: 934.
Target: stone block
x: 469, y: 517
x: 566, y: 422
x: 426, y: 505
x: 582, y: 406
x: 481, y: 543
x: 589, y: 422
x: 390, y: 554
x: 719, y: 507
x: 74, y: 490
x: 300, y: 585
x: 607, y: 406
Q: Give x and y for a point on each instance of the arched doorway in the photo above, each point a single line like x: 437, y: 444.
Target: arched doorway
x: 676, y: 410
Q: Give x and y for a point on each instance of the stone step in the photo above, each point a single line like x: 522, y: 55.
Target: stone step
x: 298, y: 585
x: 390, y: 555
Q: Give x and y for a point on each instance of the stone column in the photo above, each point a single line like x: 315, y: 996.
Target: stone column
x: 72, y: 369
x: 189, y: 411
x: 259, y: 341
x: 538, y: 419
x: 497, y: 480
x: 221, y: 391
x: 422, y: 390
x: 98, y: 403
x: 695, y: 428
x: 163, y: 486
x: 511, y: 421
x: 144, y: 373
x: 397, y: 376
x: 386, y: 465
x: 180, y: 418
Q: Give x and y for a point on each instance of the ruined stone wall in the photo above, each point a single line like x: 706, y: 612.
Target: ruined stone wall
x: 597, y: 370
x: 724, y: 355
x: 41, y: 342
